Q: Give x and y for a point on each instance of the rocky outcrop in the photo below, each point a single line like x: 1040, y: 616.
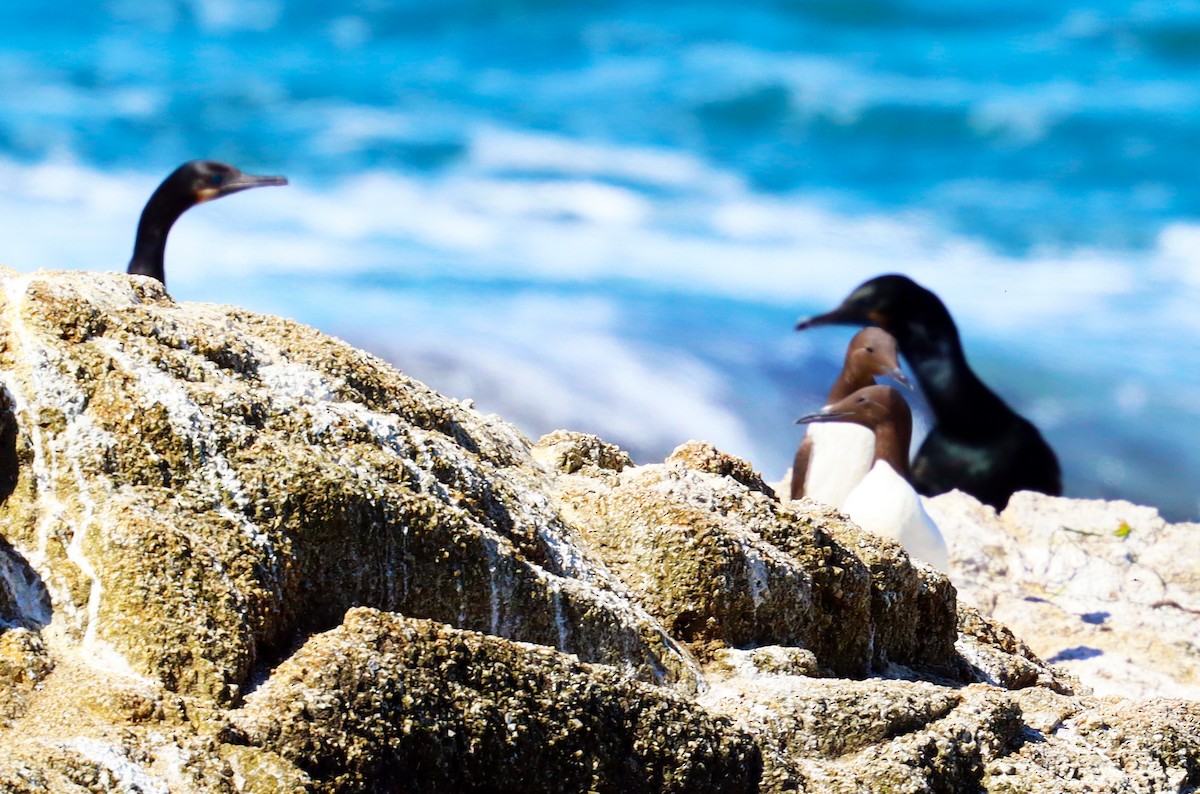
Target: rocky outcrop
x: 713, y: 555
x: 1106, y: 590
x: 449, y: 710
x: 237, y: 555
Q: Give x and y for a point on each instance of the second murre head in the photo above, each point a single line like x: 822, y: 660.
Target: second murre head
x: 872, y: 353
x: 190, y: 184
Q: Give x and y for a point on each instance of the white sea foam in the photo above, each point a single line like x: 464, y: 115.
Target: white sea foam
x: 718, y: 236
x: 500, y: 215
x: 586, y: 378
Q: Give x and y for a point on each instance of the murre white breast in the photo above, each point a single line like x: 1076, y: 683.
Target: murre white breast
x: 884, y: 502
x: 840, y: 456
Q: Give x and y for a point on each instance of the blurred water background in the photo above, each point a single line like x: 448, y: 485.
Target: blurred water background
x: 608, y: 216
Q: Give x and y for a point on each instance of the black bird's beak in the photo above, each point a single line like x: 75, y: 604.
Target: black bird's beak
x: 842, y: 315
x: 237, y: 183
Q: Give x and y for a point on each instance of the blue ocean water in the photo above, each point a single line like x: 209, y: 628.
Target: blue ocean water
x: 609, y: 215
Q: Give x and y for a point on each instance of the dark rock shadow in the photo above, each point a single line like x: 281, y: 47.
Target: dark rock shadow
x: 9, y: 464
x: 24, y: 599
x: 1078, y: 653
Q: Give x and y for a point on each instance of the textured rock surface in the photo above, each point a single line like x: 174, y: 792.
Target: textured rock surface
x: 449, y: 710
x: 239, y: 556
x: 198, y: 486
x: 1106, y: 590
x: 716, y: 558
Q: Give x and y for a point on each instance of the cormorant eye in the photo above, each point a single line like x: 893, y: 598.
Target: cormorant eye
x: 216, y: 179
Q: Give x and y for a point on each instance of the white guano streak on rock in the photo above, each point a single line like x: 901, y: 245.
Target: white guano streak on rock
x: 497, y: 584
x: 407, y: 442
x: 76, y: 554
x: 50, y: 507
x: 131, y: 777
x: 189, y: 420
x: 756, y: 570
x: 47, y: 385
x: 560, y: 623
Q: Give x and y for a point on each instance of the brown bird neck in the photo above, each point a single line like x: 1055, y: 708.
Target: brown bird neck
x: 892, y: 439
x: 851, y: 379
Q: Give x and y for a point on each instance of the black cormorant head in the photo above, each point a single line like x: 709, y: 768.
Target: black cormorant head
x: 190, y: 184
x: 902, y: 307
x: 204, y: 180
x: 886, y: 301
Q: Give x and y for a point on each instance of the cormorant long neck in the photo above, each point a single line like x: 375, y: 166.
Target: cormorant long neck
x: 160, y: 213
x: 958, y: 398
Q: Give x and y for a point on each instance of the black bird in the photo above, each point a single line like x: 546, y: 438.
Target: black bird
x: 977, y: 443
x: 190, y: 184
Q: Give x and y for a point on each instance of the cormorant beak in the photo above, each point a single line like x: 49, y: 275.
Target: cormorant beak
x: 842, y: 315
x: 895, y: 374
x: 823, y: 416
x: 237, y: 183
x: 849, y: 313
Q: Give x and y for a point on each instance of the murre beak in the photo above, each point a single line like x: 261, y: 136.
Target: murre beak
x: 823, y: 416
x: 895, y: 374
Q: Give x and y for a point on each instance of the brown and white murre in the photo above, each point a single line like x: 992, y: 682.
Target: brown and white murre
x: 884, y: 502
x: 834, y: 457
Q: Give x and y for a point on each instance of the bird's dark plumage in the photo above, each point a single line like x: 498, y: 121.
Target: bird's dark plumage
x: 977, y: 444
x: 190, y: 184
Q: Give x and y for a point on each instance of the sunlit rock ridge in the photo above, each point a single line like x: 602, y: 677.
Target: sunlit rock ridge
x: 238, y: 555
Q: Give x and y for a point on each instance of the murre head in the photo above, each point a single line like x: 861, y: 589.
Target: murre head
x: 870, y: 406
x: 872, y: 353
